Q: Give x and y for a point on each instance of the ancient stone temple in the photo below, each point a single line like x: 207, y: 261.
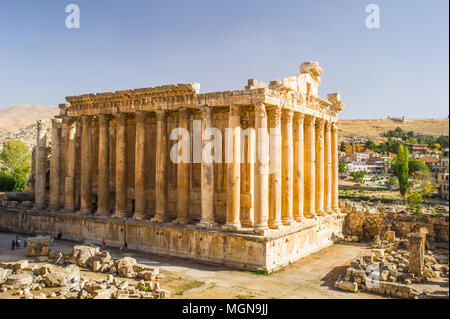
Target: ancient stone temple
x: 268, y: 197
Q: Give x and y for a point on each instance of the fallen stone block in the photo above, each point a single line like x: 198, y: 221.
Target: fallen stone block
x: 348, y: 286
x: 38, y: 246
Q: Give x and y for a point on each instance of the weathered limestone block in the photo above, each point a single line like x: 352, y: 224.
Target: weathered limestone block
x: 18, y: 281
x: 348, y: 286
x: 38, y: 246
x: 81, y: 254
x: 125, y: 267
x: 4, y: 274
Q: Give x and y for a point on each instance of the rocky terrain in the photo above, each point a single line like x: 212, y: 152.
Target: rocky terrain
x: 19, y: 122
x: 47, y: 277
x: 372, y: 129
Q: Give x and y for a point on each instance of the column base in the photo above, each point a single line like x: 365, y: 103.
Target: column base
x: 159, y: 219
x: 336, y: 210
x: 310, y: 215
x: 122, y: 214
x: 53, y: 208
x: 247, y: 223
x: 231, y: 226
x: 320, y: 213
x: 261, y: 229
x: 103, y: 212
x: 329, y: 212
x: 207, y: 224
x: 39, y: 207
x: 67, y: 210
x: 276, y: 224
x: 287, y: 221
x: 298, y: 219
x: 85, y: 211
x: 181, y: 221
x: 140, y: 216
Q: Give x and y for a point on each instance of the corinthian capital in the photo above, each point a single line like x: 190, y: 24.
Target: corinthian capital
x: 141, y: 116
x: 309, y: 120
x: 320, y: 123
x: 161, y: 115
x: 183, y: 113
x: 260, y: 109
x: 122, y: 118
x: 274, y: 116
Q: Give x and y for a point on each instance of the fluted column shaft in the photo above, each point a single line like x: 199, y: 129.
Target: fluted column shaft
x: 334, y: 169
x: 328, y: 178
x: 261, y: 170
x: 320, y: 167
x: 55, y: 166
x: 140, y: 212
x: 121, y: 167
x: 41, y: 165
x: 310, y: 167
x: 287, y: 181
x: 183, y: 172
x: 234, y: 173
x: 207, y: 175
x: 69, y: 186
x: 275, y: 169
x: 86, y: 166
x: 103, y: 166
x: 299, y: 167
x: 161, y: 167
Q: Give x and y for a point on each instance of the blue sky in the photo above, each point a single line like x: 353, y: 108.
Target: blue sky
x: 402, y: 68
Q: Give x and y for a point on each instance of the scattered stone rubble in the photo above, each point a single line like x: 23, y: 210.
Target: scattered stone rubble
x: 364, y: 221
x: 393, y: 266
x: 27, y: 279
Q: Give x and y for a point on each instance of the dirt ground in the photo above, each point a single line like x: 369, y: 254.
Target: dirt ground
x: 311, y: 277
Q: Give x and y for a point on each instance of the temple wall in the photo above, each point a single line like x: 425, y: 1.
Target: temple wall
x: 234, y: 250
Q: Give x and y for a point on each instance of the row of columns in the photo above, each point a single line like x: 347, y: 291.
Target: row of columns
x: 301, y: 151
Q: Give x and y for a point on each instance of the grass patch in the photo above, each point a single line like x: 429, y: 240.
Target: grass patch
x: 188, y: 286
x: 262, y: 272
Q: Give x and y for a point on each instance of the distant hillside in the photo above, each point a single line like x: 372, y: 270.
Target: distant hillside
x: 373, y: 129
x: 17, y: 122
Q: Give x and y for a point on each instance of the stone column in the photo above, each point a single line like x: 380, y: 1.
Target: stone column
x: 416, y: 252
x: 287, y: 166
x: 140, y: 211
x: 41, y: 165
x: 310, y: 167
x: 328, y: 178
x: 69, y: 186
x: 103, y: 166
x: 261, y: 170
x: 334, y: 169
x: 234, y: 173
x: 55, y: 166
x: 299, y: 167
x: 275, y: 168
x: 320, y: 167
x: 161, y: 167
x: 86, y: 166
x: 207, y: 175
x: 121, y: 167
x: 183, y: 174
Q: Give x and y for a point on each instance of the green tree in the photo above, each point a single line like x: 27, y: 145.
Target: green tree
x: 400, y: 168
x: 15, y: 158
x: 416, y: 165
x: 15, y: 162
x: 342, y: 168
x: 359, y: 176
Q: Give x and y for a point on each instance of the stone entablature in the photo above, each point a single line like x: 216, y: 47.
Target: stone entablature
x: 111, y: 155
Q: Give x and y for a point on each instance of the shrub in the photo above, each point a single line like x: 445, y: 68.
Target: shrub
x: 7, y: 182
